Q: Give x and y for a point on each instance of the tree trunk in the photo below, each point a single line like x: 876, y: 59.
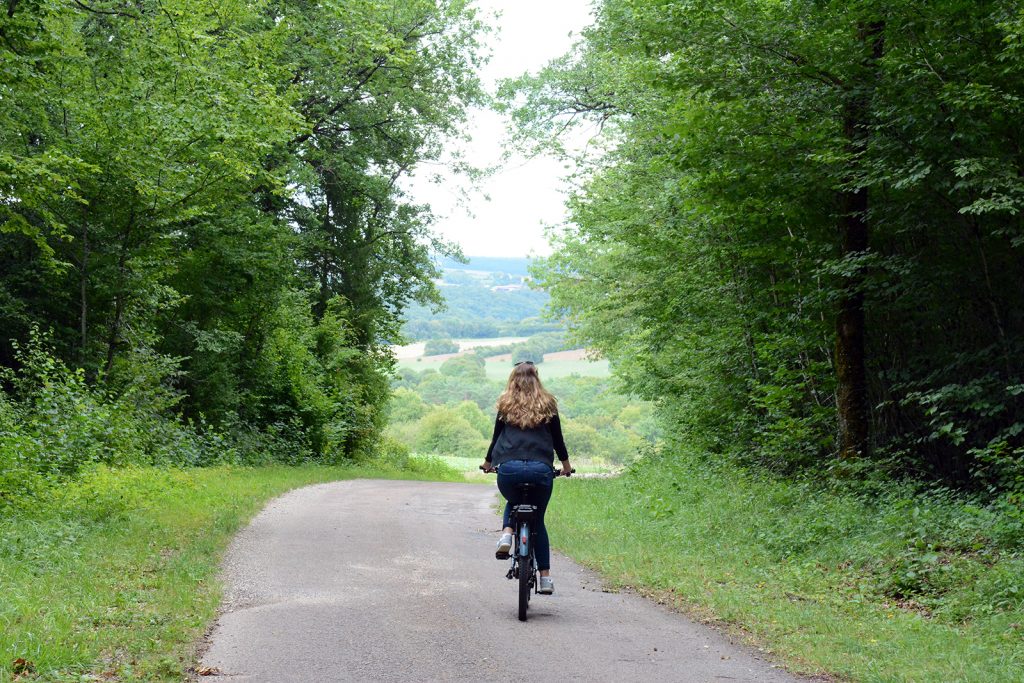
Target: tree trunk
x: 114, y: 331
x: 114, y: 334
x: 83, y: 287
x: 852, y: 401
x: 851, y: 372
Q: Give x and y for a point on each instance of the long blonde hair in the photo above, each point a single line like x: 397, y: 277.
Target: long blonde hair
x: 525, y: 403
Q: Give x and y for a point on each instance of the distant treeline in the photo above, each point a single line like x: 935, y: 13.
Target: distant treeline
x: 533, y: 349
x: 445, y: 326
x: 474, y: 309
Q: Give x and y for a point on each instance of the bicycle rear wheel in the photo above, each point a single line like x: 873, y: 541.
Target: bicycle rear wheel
x: 525, y: 577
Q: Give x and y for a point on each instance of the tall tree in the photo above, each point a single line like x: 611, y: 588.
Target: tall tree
x: 852, y: 401
x: 215, y: 187
x: 813, y: 197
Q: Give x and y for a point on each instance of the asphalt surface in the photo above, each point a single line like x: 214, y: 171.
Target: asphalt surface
x: 396, y: 581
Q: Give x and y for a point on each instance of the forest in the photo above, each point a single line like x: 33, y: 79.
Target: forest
x: 821, y: 203
x: 205, y: 250
x: 204, y: 242
x: 480, y: 302
x: 796, y: 230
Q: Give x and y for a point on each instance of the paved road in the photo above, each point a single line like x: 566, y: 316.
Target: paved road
x: 397, y: 581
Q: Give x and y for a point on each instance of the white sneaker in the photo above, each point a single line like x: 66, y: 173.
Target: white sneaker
x: 504, y: 545
x: 547, y: 585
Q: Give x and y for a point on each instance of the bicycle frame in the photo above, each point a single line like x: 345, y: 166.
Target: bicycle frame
x: 522, y: 516
x: 523, y: 564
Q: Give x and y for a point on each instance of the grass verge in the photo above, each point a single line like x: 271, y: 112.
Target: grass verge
x: 891, y: 585
x: 115, y: 578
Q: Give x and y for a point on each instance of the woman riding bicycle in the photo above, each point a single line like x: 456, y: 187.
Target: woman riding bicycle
x: 527, y: 434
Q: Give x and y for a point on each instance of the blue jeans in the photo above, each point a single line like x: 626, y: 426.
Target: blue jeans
x: 515, y: 472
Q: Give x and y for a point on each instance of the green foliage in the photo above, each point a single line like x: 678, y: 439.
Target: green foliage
x: 446, y: 432
x: 533, y: 349
x: 546, y: 342
x: 395, y: 457
x: 57, y: 432
x: 471, y: 413
x: 438, y: 347
x: 705, y: 254
x: 405, y: 405
x: 55, y: 425
x: 451, y: 413
x: 314, y: 373
x: 439, y: 389
x: 583, y: 437
x: 202, y: 203
x: 510, y: 267
x: 469, y: 367
x: 475, y: 307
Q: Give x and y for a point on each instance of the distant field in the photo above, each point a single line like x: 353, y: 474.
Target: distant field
x: 499, y: 369
x: 416, y: 350
x: 419, y: 364
x: 574, y: 354
x: 558, y: 364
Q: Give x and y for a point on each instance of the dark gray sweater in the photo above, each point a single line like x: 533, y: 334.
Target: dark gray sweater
x: 537, y: 443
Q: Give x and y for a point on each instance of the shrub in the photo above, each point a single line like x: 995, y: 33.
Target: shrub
x: 472, y: 414
x: 392, y: 454
x: 469, y: 367
x: 57, y: 431
x: 444, y: 432
x: 437, y: 347
x: 405, y: 406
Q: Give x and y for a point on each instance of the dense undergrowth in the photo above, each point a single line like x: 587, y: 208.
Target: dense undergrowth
x: 55, y: 428
x: 880, y: 581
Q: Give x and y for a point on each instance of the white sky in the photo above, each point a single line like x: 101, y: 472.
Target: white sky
x: 524, y: 195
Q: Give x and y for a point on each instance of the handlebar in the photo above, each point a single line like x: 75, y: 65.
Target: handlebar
x: 558, y: 472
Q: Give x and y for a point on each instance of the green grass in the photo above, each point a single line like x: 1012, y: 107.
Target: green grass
x: 117, y: 579
x: 885, y: 587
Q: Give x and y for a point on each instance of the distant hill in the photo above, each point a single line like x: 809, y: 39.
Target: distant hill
x: 491, y: 264
x: 487, y: 297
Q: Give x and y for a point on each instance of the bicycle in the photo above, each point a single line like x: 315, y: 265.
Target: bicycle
x: 523, y: 567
